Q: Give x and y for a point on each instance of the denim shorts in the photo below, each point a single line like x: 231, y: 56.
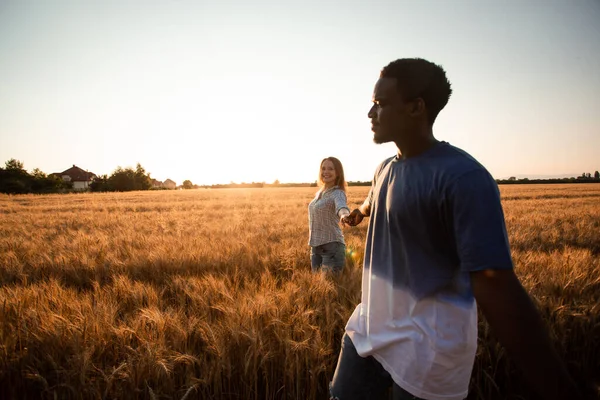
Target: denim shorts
x: 329, y: 256
x: 363, y: 378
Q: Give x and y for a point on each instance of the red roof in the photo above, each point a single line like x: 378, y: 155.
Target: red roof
x: 77, y: 174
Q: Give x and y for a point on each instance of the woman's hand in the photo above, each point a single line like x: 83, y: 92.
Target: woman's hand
x: 354, y: 218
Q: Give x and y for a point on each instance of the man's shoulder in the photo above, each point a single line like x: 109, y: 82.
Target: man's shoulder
x: 386, y: 162
x: 456, y: 162
x: 459, y: 172
x: 457, y: 155
x: 383, y: 164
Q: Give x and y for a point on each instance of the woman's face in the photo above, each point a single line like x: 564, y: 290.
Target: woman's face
x: 328, y: 174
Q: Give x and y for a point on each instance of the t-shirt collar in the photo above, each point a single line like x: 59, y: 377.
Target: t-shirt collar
x: 398, y: 157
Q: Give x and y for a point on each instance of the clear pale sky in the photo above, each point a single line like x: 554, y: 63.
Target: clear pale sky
x: 246, y: 91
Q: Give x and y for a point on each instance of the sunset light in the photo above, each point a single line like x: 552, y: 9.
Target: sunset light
x: 300, y: 199
x: 227, y: 92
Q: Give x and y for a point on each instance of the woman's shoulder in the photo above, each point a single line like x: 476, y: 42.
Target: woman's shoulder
x: 336, y: 191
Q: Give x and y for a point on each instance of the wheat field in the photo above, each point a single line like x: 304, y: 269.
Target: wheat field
x: 208, y: 293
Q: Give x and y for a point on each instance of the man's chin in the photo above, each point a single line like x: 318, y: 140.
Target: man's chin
x: 379, y: 139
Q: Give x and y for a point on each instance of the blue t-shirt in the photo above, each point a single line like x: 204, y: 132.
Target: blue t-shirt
x: 434, y: 218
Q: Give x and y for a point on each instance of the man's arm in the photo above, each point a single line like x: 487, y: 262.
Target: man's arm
x: 474, y: 211
x: 516, y: 322
x: 357, y: 215
x: 365, y: 208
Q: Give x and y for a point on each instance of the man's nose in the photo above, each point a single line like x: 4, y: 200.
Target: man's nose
x: 372, y: 113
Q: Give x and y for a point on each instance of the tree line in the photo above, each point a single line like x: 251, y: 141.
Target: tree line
x: 123, y: 180
x: 14, y: 179
x: 585, y: 177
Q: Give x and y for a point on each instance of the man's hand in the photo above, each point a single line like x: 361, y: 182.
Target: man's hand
x: 517, y: 324
x: 354, y: 218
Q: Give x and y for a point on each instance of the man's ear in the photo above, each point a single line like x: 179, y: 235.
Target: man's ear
x: 417, y: 107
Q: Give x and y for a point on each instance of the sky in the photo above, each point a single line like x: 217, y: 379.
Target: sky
x: 254, y: 91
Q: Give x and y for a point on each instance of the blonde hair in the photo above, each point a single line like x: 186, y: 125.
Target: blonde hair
x: 339, y: 173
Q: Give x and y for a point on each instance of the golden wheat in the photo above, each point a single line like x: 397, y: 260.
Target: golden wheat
x: 209, y: 294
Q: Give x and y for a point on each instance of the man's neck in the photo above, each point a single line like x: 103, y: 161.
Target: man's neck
x: 420, y: 144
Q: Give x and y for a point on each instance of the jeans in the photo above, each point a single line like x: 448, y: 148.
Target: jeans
x: 329, y: 256
x: 363, y: 378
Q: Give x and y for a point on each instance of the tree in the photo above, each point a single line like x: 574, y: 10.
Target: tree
x: 14, y: 179
x: 187, y: 184
x: 14, y: 165
x: 596, y: 175
x: 38, y: 174
x: 101, y: 184
x: 42, y: 183
x: 142, y: 179
x: 123, y: 180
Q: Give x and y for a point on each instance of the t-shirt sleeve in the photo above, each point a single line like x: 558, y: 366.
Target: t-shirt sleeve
x: 340, y: 200
x: 478, y: 222
x: 369, y: 200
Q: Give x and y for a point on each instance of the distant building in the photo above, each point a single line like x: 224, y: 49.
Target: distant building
x: 156, y: 184
x: 80, y: 178
x: 169, y: 184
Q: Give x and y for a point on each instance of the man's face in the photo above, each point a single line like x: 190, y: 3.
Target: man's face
x: 390, y: 118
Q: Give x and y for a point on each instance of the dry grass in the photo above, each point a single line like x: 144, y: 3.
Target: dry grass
x: 208, y: 293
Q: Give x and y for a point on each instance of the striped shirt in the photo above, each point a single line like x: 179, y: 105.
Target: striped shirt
x: 323, y: 216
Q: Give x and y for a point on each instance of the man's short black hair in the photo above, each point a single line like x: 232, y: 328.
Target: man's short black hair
x: 419, y: 78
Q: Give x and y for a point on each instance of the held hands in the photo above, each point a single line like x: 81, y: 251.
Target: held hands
x: 352, y: 219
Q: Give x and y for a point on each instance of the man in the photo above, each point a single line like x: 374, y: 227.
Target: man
x: 436, y: 243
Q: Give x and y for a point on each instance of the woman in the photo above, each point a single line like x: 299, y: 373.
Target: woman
x: 325, y: 213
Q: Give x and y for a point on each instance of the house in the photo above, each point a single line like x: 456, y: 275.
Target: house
x: 169, y: 184
x: 81, y: 179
